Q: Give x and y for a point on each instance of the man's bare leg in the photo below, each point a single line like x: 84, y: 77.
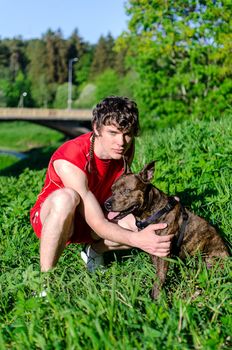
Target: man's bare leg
x: 57, y: 217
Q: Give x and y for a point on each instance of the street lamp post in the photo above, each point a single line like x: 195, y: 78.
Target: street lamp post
x: 21, y: 100
x: 70, y: 64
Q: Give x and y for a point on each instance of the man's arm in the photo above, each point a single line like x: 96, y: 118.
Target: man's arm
x: 147, y: 240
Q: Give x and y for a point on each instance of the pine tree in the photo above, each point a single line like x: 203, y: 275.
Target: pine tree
x: 56, y: 54
x: 104, y: 56
x: 37, y: 72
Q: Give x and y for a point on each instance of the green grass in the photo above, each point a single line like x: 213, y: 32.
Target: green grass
x: 35, y: 142
x: 112, y: 309
x: 23, y: 136
x: 7, y: 160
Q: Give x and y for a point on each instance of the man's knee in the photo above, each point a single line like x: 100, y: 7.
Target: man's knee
x: 66, y: 197
x: 61, y: 202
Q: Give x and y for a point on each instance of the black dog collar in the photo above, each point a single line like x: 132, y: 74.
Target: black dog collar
x: 152, y: 219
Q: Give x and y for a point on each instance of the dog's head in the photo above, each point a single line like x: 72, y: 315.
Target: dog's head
x: 130, y: 192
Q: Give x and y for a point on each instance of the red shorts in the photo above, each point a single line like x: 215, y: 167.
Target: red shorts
x: 82, y: 231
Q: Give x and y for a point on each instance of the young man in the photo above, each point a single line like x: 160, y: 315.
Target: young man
x: 80, y: 174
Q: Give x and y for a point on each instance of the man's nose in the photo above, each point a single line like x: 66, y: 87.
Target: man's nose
x: 121, y: 140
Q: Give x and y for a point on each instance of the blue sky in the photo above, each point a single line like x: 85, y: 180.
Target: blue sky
x: 32, y: 18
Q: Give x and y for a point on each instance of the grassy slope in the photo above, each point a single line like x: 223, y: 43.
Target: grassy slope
x: 22, y: 136
x: 112, y: 310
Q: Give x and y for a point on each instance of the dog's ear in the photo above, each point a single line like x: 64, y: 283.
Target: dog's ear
x: 126, y: 167
x: 147, y: 173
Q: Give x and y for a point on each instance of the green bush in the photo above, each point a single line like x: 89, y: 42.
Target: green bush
x: 61, y: 99
x: 107, y: 83
x: 87, y: 97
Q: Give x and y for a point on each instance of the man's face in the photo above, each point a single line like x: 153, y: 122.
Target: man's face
x: 111, y: 142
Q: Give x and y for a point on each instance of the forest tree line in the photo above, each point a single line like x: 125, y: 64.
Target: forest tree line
x: 174, y: 59
x: 40, y: 68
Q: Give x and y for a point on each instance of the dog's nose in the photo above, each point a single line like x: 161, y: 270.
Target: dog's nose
x: 108, y: 205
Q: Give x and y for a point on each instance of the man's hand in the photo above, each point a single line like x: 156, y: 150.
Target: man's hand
x: 150, y: 242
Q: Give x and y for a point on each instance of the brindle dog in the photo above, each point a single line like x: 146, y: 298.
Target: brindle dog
x: 134, y: 193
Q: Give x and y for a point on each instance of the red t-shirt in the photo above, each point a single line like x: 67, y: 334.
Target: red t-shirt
x: 102, y: 176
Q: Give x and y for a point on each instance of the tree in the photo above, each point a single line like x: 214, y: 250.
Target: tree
x: 104, y: 56
x: 37, y: 72
x: 13, y: 91
x: 180, y: 51
x: 4, y: 71
x: 107, y: 83
x: 83, y: 66
x: 61, y: 96
x: 120, y: 61
x: 78, y: 48
x: 13, y: 79
x: 4, y: 60
x: 56, y: 55
x: 76, y: 45
x: 17, y: 60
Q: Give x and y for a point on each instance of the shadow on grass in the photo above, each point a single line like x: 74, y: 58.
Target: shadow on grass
x: 190, y: 195
x: 35, y: 159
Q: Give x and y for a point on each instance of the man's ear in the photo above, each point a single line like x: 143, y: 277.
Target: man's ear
x: 96, y: 132
x: 147, y: 173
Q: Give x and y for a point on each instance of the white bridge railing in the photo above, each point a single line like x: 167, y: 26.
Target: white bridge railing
x: 71, y: 122
x: 45, y: 113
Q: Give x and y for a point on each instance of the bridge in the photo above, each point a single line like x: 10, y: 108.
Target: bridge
x: 71, y: 122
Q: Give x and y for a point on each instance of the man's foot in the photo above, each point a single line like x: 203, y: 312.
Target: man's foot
x: 92, y: 259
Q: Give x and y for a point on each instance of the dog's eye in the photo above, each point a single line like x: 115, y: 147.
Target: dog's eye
x: 126, y: 191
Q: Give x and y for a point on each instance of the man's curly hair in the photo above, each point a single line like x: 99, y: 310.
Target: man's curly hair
x: 119, y: 111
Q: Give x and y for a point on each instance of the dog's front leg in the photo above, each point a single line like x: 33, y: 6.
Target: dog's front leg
x: 161, y: 270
